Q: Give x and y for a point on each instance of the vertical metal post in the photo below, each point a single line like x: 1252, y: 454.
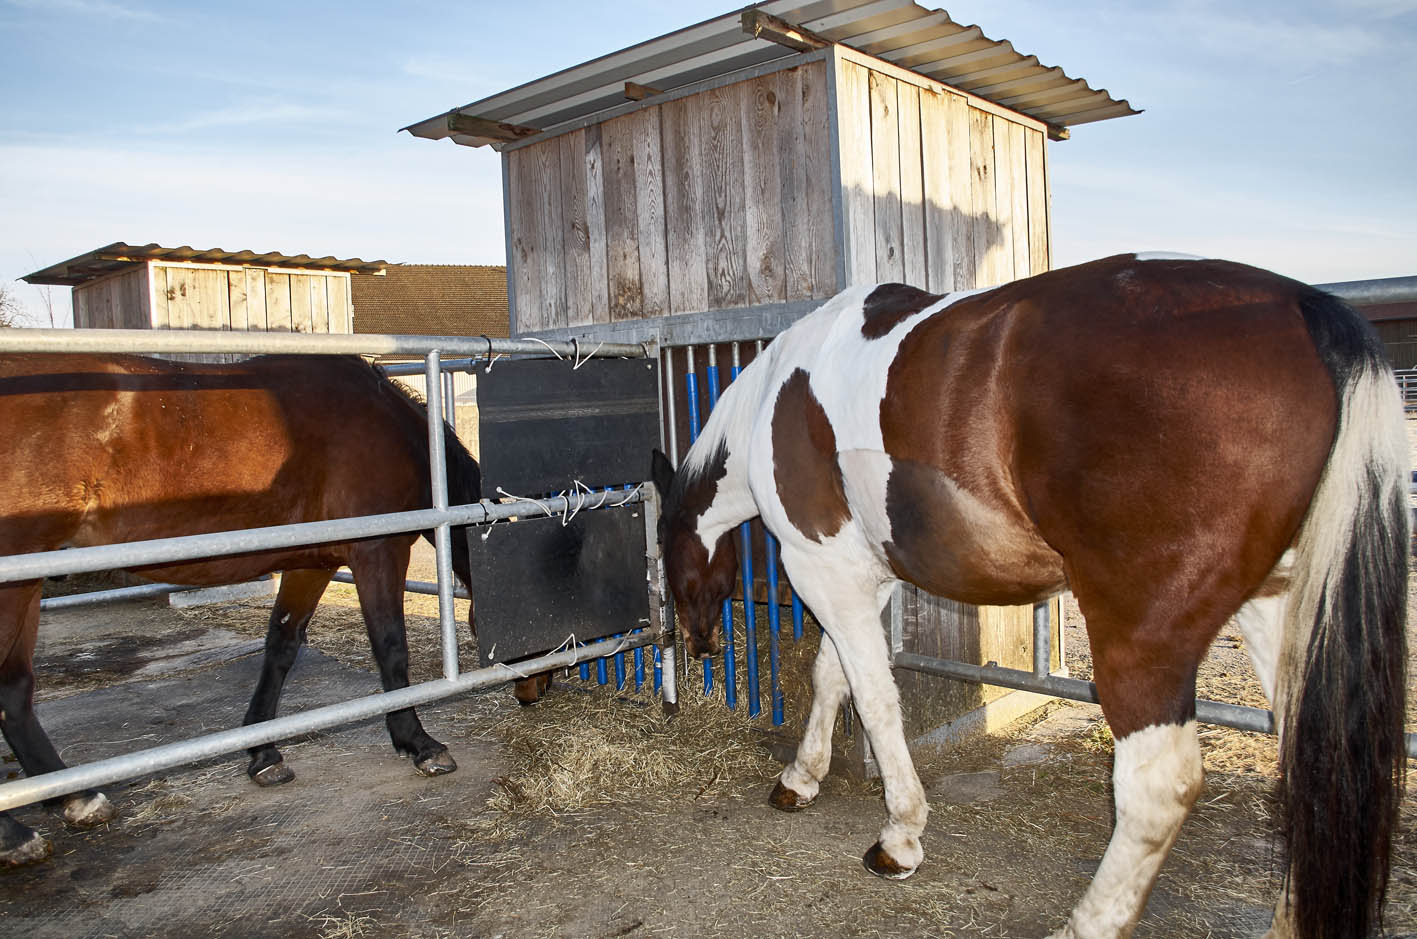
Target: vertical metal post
x: 797, y: 611
x: 1042, y: 638
x: 750, y: 624
x: 659, y: 618
x: 774, y: 618
x: 730, y: 662
x: 774, y: 629
x: 691, y: 380
x: 443, y: 534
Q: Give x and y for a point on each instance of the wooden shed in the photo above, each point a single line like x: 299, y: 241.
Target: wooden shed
x: 713, y: 185
x: 124, y: 286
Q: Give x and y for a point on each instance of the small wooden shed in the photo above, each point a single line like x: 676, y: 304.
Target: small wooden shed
x: 715, y: 184
x: 124, y: 286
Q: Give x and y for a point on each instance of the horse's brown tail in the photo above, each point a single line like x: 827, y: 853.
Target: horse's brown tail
x: 1343, y: 664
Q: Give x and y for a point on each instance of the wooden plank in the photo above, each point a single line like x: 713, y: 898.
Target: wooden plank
x: 320, y: 303
x: 622, y: 248
x: 857, y: 179
x: 575, y: 228
x: 550, y: 232
x: 912, y: 185
x: 1003, y: 199
x: 236, y: 299
x: 983, y: 211
x: 1018, y: 193
x: 340, y: 304
x: 300, y: 303
x: 817, y: 146
x: 767, y: 279
x: 936, y: 192
x: 256, y: 317
x: 724, y: 215
x: 180, y: 294
x: 1037, y: 202
x: 683, y: 205
x: 278, y: 312
x: 649, y: 210
x: 470, y: 126
x: 792, y: 183
x: 763, y: 25
x: 524, y: 256
x: 961, y: 191
x: 598, y: 298
x: 885, y: 167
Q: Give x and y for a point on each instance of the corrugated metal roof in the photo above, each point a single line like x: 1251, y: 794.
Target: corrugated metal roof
x: 104, y: 261
x: 900, y: 32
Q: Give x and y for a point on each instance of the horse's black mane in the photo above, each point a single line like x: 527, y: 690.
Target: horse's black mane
x: 464, y: 475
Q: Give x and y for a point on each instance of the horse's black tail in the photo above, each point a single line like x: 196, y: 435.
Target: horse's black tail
x: 1342, y: 671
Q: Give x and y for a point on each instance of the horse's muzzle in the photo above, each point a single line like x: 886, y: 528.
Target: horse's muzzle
x: 703, y: 647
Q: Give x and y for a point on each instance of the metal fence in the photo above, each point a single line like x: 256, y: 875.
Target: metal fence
x: 440, y: 519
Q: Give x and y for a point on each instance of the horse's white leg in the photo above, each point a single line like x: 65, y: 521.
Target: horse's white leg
x: 1261, y: 622
x: 797, y: 787
x: 1156, y: 778
x: 846, y: 594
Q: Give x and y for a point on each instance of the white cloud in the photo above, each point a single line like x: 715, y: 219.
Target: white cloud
x: 245, y: 115
x: 103, y: 8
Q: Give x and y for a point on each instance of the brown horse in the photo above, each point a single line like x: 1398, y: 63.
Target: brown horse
x: 1177, y: 441
x: 106, y: 449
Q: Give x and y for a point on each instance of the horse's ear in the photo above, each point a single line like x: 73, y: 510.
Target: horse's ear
x: 662, y: 472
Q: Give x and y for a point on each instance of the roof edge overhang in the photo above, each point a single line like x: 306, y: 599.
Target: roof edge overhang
x: 902, y: 33
x: 110, y: 259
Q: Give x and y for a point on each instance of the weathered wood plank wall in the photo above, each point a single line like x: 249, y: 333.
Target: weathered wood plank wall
x: 718, y: 200
x: 187, y: 296
x: 937, y: 191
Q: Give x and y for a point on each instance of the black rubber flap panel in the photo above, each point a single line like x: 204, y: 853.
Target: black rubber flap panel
x: 545, y: 424
x: 537, y: 582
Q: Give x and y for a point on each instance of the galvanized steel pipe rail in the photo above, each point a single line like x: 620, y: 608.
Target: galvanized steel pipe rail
x: 178, y: 342
x: 441, y: 518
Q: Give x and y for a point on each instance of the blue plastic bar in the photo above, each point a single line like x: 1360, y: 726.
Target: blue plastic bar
x: 585, y: 671
x: 639, y: 663
x: 620, y: 667
x: 796, y: 616
x: 730, y: 664
x: 750, y: 625
x: 691, y: 380
x: 774, y: 628
x: 658, y: 671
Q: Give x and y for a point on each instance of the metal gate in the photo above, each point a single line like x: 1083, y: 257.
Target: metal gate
x: 440, y: 519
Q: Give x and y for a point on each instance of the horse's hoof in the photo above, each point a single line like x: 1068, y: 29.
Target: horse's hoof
x: 277, y: 774
x: 31, y: 851
x: 438, y: 764
x: 85, y: 810
x: 881, y: 864
x: 785, y: 800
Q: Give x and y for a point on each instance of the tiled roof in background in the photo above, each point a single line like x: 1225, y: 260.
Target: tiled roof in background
x: 432, y: 300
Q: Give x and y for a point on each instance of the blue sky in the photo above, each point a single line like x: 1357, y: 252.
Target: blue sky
x: 1282, y: 134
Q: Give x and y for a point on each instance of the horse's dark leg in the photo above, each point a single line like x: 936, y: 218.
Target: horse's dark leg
x: 1146, y: 684
x: 797, y: 787
x: 300, y: 593
x: 19, y: 624
x: 20, y: 844
x: 380, y: 568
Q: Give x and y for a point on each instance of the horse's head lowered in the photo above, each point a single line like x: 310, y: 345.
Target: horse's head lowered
x: 700, y: 579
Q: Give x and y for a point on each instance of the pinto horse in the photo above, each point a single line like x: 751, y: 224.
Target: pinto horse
x: 103, y: 449
x: 1177, y: 441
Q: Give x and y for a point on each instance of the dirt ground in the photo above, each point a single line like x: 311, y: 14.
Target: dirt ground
x: 586, y: 815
